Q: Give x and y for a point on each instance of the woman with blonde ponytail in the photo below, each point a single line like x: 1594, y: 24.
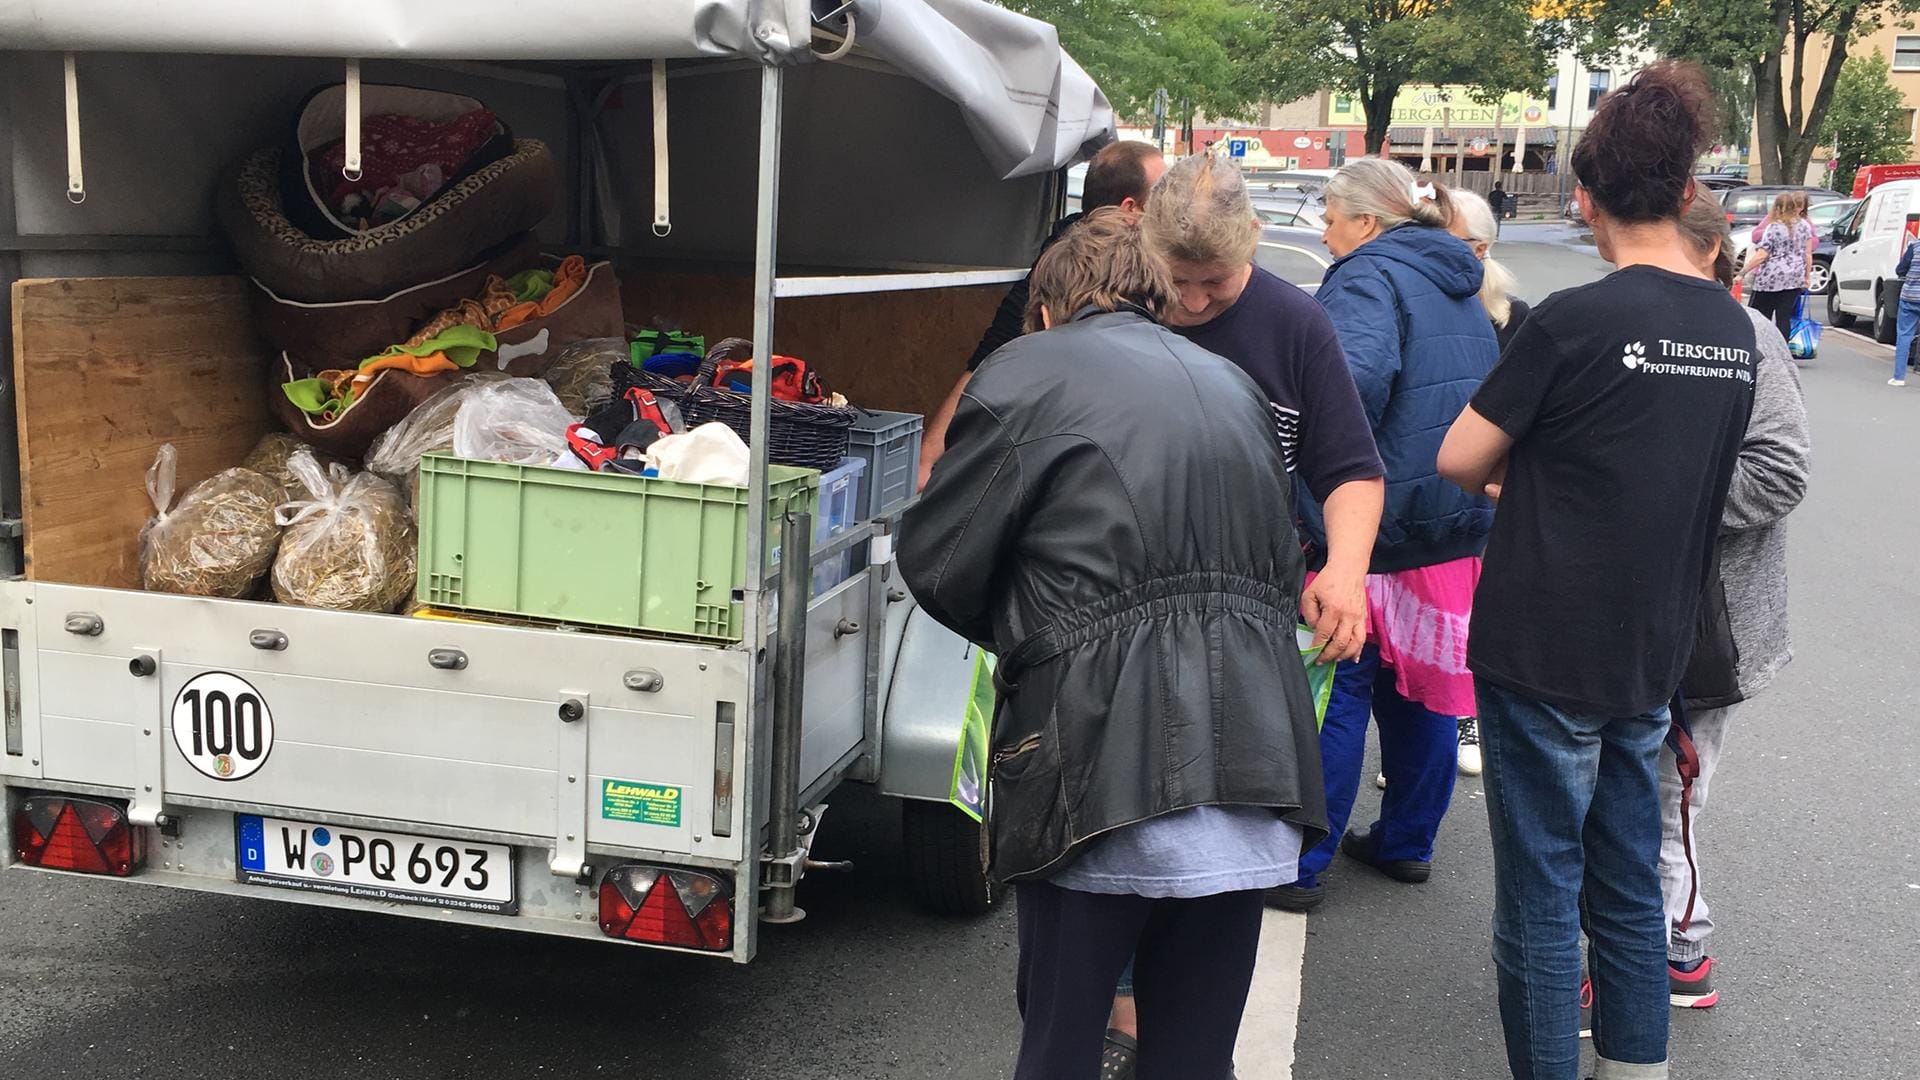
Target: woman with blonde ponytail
x: 1403, y: 296
x: 1473, y: 222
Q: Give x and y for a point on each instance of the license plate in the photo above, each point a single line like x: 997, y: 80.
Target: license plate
x: 368, y: 865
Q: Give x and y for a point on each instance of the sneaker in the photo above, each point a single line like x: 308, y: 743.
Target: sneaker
x: 1896, y: 382
x: 1692, y: 989
x: 1586, y: 1008
x: 1358, y: 845
x: 1470, y: 763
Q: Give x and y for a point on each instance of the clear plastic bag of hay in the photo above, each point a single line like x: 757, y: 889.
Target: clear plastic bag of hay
x: 349, y: 545
x: 581, y: 374
x: 219, y: 540
x: 269, y: 459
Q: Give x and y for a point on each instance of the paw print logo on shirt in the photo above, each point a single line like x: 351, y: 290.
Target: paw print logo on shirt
x: 1634, y: 355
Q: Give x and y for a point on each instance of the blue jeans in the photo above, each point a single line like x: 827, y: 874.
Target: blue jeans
x: 1419, y: 752
x: 1573, y: 802
x: 1907, y: 318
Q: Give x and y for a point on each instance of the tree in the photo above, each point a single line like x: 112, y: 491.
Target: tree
x: 1733, y: 88
x: 1776, y: 40
x: 1373, y: 48
x: 1201, y: 50
x: 1868, y: 122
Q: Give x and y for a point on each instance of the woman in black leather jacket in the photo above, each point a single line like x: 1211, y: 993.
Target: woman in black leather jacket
x: 1113, y: 517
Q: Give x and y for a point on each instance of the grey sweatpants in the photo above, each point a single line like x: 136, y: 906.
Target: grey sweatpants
x: 1709, y: 728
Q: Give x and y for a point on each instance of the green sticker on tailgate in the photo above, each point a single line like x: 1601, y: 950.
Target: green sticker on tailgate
x: 644, y: 804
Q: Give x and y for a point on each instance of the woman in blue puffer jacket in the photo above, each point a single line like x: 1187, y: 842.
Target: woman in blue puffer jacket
x: 1403, y: 296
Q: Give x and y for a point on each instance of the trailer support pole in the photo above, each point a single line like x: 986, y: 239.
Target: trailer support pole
x: 785, y: 855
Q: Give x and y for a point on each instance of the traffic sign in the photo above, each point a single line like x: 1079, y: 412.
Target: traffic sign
x: 1237, y: 148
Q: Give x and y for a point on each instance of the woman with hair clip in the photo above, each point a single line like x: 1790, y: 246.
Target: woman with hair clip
x: 1609, y: 432
x: 1403, y: 296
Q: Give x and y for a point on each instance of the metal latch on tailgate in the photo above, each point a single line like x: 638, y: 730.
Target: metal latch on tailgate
x: 571, y: 786
x: 148, y: 807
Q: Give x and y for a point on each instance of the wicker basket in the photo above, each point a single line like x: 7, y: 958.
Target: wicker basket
x: 807, y: 436
x: 626, y: 377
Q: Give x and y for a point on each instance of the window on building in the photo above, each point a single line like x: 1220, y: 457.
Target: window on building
x: 1598, y: 84
x: 1906, y: 53
x: 1906, y: 121
x: 1553, y: 91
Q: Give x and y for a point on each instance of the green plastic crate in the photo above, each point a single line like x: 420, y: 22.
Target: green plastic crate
x: 603, y: 549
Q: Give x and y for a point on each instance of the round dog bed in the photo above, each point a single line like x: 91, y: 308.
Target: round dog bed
x: 445, y: 235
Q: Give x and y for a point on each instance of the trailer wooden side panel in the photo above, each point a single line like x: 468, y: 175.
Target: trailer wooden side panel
x: 105, y: 371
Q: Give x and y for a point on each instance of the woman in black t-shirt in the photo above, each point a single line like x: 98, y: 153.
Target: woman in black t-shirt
x: 1609, y: 432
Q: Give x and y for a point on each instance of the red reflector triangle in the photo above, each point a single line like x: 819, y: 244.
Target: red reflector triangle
x: 670, y: 920
x: 70, y: 848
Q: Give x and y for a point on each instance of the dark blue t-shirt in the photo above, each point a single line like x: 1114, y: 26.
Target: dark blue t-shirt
x: 1283, y: 338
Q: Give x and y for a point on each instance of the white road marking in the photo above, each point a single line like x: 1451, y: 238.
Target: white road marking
x: 1265, y: 1049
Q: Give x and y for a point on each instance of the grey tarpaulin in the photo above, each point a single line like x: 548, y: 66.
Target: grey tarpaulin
x: 1028, y: 104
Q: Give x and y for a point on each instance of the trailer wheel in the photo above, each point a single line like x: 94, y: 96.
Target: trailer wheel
x: 941, y: 847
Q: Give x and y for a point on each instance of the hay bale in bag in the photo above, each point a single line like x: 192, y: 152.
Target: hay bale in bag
x: 349, y: 546
x: 221, y: 538
x: 269, y: 459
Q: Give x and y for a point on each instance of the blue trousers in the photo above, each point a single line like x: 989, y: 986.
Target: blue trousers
x: 1906, y: 318
x: 1573, y: 803
x: 1419, y: 752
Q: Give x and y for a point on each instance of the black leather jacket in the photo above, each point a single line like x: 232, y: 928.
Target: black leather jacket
x: 1114, y: 519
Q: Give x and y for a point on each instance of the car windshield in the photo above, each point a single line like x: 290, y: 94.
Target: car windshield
x: 1751, y: 201
x: 1827, y: 213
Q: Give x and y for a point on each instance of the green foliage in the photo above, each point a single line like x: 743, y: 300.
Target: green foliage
x: 1868, y: 123
x: 1202, y: 50
x: 1775, y: 40
x: 1372, y: 48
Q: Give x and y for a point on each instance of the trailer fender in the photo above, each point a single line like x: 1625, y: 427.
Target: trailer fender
x: 926, y: 694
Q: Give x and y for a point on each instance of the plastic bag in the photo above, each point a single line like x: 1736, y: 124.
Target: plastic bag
x: 269, y: 459
x: 219, y: 541
x: 349, y: 546
x: 1804, y: 342
x: 518, y: 421
x: 582, y: 373
x: 709, y: 454
x: 395, y: 455
x: 1319, y: 676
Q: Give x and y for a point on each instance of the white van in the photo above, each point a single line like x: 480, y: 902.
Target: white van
x: 1868, y: 242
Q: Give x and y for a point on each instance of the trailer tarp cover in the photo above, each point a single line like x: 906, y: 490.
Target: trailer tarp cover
x: 1028, y: 104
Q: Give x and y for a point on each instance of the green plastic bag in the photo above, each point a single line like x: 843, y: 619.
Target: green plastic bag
x: 1319, y: 676
x: 969, y: 792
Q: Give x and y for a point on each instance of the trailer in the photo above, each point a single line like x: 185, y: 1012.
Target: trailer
x: 857, y: 182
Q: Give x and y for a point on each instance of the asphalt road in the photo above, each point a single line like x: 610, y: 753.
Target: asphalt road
x: 1811, y: 850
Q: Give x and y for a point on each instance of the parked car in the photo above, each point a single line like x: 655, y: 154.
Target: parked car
x: 1748, y: 206
x: 1296, y: 212
x: 1869, y: 240
x: 1295, y: 254
x: 1719, y: 181
x: 1738, y: 172
x: 1823, y: 217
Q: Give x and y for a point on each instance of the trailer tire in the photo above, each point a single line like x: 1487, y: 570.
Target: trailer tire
x: 941, y: 847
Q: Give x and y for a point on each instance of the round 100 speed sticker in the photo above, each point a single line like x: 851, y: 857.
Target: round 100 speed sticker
x: 221, y: 726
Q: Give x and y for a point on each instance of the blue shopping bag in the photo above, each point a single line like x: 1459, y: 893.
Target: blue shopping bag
x: 1804, y: 342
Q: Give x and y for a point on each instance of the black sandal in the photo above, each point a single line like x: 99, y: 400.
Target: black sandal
x: 1117, y: 1060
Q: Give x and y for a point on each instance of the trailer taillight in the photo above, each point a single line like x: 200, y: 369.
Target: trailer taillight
x: 85, y: 836
x: 684, y: 908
